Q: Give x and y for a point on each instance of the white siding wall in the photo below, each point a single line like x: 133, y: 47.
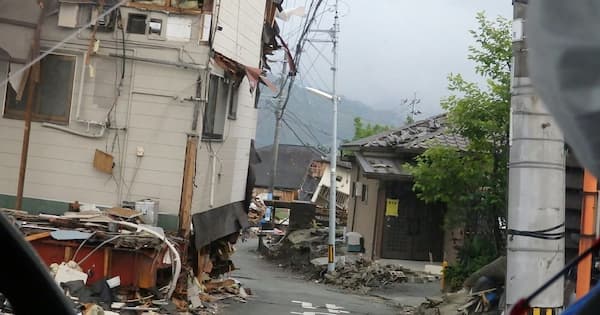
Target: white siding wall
x: 60, y: 165
x: 231, y: 162
x: 159, y: 124
x: 242, y: 23
x: 240, y: 40
x: 344, y: 185
x: 152, y: 107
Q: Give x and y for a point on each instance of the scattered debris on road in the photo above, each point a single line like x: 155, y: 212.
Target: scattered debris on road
x: 363, y: 275
x: 303, y: 251
x: 483, y: 293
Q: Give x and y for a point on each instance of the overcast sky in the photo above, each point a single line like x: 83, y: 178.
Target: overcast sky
x: 390, y: 49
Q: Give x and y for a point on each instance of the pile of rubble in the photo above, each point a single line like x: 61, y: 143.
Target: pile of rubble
x: 482, y: 293
x: 363, y: 275
x: 305, y: 251
x: 297, y: 248
x: 110, y: 261
x: 257, y: 211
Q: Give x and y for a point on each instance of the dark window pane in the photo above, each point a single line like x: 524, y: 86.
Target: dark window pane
x: 11, y: 99
x: 136, y: 23
x: 208, y: 120
x: 257, y: 96
x: 233, y: 102
x: 56, y: 86
x: 52, y: 95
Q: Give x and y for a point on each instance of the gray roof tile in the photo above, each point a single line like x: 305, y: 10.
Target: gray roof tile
x: 419, y: 135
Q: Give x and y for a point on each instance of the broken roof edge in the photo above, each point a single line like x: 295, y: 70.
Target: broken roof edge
x: 169, y: 8
x: 394, y: 167
x: 363, y: 141
x: 312, y: 148
x: 339, y: 162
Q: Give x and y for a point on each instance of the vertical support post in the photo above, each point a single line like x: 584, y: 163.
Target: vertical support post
x: 187, y: 190
x: 587, y: 232
x: 31, y: 85
x: 34, y: 78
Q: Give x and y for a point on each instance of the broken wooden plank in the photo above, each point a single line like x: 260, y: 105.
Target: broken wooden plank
x: 37, y: 236
x: 215, y: 285
x: 124, y: 213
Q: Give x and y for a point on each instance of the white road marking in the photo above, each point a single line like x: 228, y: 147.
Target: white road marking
x: 332, y: 309
x: 305, y: 305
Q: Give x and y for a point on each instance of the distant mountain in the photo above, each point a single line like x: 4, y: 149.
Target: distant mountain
x: 310, y: 117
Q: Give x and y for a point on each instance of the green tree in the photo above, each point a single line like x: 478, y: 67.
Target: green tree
x: 362, y: 131
x: 472, y: 183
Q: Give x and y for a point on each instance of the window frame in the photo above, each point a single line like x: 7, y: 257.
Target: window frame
x: 257, y: 96
x: 16, y: 114
x: 233, y: 101
x: 218, y: 106
x: 365, y: 190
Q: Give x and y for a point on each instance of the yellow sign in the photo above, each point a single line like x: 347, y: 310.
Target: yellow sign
x: 391, y: 207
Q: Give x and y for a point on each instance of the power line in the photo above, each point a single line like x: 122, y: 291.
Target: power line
x: 300, y: 124
x: 307, y: 131
x: 294, y: 132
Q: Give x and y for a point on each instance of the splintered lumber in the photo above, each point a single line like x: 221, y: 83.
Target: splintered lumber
x: 37, y: 236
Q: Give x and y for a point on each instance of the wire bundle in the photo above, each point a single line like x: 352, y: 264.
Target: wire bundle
x: 545, y: 234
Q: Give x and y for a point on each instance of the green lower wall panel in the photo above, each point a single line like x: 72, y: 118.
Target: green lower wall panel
x: 35, y: 206
x: 168, y: 222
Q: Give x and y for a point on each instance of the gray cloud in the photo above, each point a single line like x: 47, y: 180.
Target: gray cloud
x: 390, y: 49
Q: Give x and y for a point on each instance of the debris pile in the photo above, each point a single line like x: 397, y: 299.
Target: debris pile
x: 257, y: 211
x: 305, y: 251
x: 363, y: 275
x: 298, y: 248
x: 322, y: 215
x: 109, y: 261
x: 483, y: 293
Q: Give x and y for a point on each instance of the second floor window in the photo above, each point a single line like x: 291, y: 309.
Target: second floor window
x: 213, y: 121
x: 52, y: 95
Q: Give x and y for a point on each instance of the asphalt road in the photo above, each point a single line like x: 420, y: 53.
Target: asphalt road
x: 276, y: 291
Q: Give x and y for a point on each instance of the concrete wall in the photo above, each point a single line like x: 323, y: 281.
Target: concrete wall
x: 152, y: 106
x: 362, y: 214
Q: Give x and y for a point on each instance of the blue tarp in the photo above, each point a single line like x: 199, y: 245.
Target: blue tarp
x: 587, y: 305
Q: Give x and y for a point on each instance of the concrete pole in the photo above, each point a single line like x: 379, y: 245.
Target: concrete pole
x: 333, y: 162
x: 276, y: 135
x: 536, y: 192
x: 275, y: 150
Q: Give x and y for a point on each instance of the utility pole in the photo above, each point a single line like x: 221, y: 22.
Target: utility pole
x: 333, y: 33
x: 278, y: 118
x: 536, y: 188
x: 283, y: 99
x: 333, y: 163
